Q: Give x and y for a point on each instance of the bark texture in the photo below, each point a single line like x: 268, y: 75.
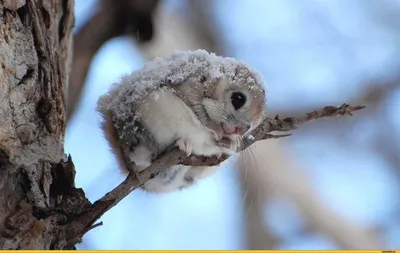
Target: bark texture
x: 37, y: 194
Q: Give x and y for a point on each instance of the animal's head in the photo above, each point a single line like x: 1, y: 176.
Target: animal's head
x: 235, y: 106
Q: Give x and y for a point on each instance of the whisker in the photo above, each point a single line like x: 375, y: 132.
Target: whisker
x: 248, y: 164
x: 242, y: 141
x: 232, y: 118
x: 223, y: 113
x: 251, y: 151
x: 200, y: 107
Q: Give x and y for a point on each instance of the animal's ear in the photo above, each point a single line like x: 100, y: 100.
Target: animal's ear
x: 221, y: 86
x: 216, y: 89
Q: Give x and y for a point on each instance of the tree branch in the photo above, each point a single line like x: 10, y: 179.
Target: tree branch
x: 173, y: 156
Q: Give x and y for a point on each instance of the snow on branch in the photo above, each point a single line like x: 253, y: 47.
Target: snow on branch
x: 174, y: 156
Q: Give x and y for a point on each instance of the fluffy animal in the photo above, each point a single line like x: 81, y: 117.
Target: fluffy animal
x: 193, y: 99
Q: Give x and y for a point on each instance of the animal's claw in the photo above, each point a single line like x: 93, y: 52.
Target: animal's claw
x: 185, y: 145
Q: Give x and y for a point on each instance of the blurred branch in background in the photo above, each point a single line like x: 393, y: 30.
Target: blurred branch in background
x: 285, y: 179
x: 257, y: 234
x: 112, y: 19
x: 183, y: 32
x: 374, y: 96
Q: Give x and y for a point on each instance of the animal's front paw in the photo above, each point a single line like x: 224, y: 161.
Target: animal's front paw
x: 185, y: 145
x: 224, y: 143
x: 227, y: 145
x: 218, y: 134
x: 216, y: 130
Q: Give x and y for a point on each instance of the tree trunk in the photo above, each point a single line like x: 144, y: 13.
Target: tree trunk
x: 37, y: 194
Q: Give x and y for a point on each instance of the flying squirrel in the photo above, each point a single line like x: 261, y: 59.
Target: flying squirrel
x: 193, y: 99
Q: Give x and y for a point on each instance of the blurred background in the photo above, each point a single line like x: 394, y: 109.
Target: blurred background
x: 334, y: 184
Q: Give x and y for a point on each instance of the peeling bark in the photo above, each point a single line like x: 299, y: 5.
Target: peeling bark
x: 37, y: 194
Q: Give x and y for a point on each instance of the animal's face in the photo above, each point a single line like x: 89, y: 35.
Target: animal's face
x: 235, y: 108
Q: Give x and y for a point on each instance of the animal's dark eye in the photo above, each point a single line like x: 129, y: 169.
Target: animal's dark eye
x: 238, y: 99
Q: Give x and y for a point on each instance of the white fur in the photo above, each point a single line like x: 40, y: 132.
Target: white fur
x: 142, y: 157
x: 169, y: 119
x: 166, y: 117
x: 162, y: 184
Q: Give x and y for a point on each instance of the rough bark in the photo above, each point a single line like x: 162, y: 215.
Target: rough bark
x: 36, y: 181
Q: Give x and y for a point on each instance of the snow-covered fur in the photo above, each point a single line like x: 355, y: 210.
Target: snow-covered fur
x: 191, y: 98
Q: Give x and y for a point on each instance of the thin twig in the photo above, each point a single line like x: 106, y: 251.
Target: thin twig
x: 175, y: 156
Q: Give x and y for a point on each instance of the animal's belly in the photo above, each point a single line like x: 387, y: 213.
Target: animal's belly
x: 168, y: 118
